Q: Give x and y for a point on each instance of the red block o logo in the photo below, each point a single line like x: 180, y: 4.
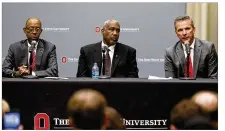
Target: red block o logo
x: 37, y: 118
x: 64, y: 59
x: 97, y: 29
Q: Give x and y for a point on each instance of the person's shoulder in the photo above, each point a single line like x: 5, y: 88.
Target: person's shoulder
x: 47, y: 43
x: 17, y: 43
x: 205, y: 45
x: 204, y: 42
x: 91, y: 45
x: 171, y: 48
x: 126, y: 46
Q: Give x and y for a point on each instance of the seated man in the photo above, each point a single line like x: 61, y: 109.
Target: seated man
x: 43, y: 62
x: 202, y: 60
x: 120, y: 58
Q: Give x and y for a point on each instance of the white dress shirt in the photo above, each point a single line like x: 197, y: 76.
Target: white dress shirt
x: 191, y: 52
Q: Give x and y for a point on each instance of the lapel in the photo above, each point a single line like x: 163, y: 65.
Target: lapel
x: 180, y: 54
x: 24, y: 53
x: 97, y: 57
x: 39, y: 52
x: 118, y: 52
x: 197, y: 55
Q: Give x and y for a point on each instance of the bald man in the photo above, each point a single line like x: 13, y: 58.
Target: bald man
x: 188, y: 115
x: 86, y: 109
x: 208, y: 101
x: 43, y: 62
x: 5, y: 107
x: 120, y: 59
x: 115, y: 119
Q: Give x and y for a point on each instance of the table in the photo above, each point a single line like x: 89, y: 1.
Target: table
x: 135, y: 99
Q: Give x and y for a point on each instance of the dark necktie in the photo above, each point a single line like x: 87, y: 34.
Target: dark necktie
x: 190, y: 69
x: 33, y: 60
x: 107, y: 64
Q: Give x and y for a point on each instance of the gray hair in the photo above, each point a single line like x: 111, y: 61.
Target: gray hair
x: 108, y: 21
x: 182, y: 18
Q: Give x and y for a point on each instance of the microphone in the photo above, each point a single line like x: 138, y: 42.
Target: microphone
x: 103, y: 76
x: 33, y: 44
x: 188, y: 51
x: 32, y: 47
x: 187, y: 46
x: 104, y: 49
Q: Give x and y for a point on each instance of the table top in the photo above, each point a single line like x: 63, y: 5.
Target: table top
x: 111, y: 80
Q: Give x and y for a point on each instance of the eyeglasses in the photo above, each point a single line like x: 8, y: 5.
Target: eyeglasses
x: 31, y: 29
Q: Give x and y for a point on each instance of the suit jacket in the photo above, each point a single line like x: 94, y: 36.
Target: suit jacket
x: 124, y: 62
x: 205, y: 61
x: 46, y: 61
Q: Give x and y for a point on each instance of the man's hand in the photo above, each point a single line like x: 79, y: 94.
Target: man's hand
x: 22, y: 71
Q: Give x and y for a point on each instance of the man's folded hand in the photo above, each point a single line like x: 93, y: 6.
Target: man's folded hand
x: 22, y: 71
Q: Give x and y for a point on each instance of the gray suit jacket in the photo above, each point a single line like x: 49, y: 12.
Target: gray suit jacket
x: 46, y: 61
x: 205, y: 60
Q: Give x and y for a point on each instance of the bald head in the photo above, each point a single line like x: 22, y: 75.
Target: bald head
x: 5, y: 107
x: 33, y: 29
x: 32, y: 20
x: 86, y: 99
x: 115, y: 119
x: 112, y: 21
x: 208, y: 100
x: 86, y: 107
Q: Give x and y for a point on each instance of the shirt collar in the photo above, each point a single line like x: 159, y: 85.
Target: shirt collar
x: 192, y: 45
x: 111, y: 48
x: 30, y: 45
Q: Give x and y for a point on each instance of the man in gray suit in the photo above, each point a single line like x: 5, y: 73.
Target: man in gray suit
x: 43, y: 62
x: 203, y: 59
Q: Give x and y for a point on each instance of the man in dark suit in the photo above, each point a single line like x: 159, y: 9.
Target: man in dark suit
x: 44, y: 61
x: 122, y: 61
x: 203, y: 60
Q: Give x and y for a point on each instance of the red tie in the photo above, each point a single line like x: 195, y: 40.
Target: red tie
x: 33, y: 60
x: 191, y: 74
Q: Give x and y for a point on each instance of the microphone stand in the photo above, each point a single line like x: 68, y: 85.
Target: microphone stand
x: 103, y: 76
x: 30, y: 76
x: 187, y: 66
x: 30, y: 60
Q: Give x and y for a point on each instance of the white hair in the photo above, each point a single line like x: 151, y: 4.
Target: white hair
x: 108, y: 21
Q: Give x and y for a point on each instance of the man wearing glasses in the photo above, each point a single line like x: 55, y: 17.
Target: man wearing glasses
x: 32, y: 56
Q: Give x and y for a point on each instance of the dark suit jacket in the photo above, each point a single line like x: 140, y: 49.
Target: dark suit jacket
x: 124, y: 62
x: 46, y: 62
x: 205, y: 60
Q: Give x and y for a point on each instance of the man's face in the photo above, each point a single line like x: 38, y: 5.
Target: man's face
x: 111, y: 33
x: 33, y: 29
x: 185, y: 31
